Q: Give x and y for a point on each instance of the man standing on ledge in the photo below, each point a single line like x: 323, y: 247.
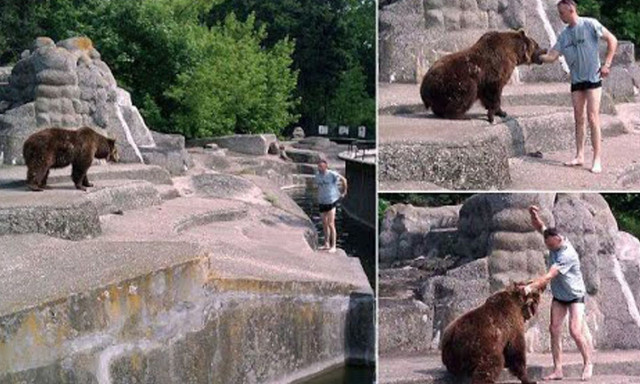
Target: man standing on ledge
x: 578, y: 43
x: 328, y: 198
x: 568, y: 290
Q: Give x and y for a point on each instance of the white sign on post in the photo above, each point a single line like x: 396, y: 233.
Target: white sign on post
x: 362, y: 131
x: 343, y: 130
x: 323, y: 130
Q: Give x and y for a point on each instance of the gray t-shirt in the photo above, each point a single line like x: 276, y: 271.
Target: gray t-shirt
x: 328, y: 191
x: 568, y: 284
x: 579, y: 46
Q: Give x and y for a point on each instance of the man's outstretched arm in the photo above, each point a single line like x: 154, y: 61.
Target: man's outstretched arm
x: 550, y: 56
x: 541, y: 282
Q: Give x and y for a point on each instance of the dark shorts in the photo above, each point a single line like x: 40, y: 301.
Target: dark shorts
x: 578, y: 300
x: 585, y: 85
x: 327, y: 207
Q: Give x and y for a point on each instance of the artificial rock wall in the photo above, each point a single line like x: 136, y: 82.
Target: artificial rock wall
x: 67, y: 85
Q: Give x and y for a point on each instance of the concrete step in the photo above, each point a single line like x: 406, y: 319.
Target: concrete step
x: 472, y: 153
x: 304, y: 156
x: 214, y: 150
x: 405, y: 98
x: 15, y: 175
x: 306, y: 169
x: 68, y: 213
x: 609, y: 367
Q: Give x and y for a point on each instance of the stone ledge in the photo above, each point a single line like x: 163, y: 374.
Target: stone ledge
x: 15, y: 175
x: 611, y: 367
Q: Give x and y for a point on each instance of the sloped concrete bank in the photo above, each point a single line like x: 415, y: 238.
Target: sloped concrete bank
x: 211, y: 277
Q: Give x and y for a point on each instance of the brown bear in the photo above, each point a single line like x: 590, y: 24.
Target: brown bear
x: 484, y: 340
x: 456, y: 81
x: 57, y: 148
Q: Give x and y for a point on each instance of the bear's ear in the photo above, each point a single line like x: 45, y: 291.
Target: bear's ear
x: 522, y: 32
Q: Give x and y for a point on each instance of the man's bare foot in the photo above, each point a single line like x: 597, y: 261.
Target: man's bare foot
x: 324, y: 248
x: 597, y: 167
x: 332, y: 250
x: 575, y: 162
x: 556, y: 375
x: 587, y: 372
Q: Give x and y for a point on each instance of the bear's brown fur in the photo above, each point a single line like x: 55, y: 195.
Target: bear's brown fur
x: 57, y: 148
x: 456, y: 81
x: 484, y: 340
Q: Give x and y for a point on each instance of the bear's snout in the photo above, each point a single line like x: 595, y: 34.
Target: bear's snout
x: 536, y: 56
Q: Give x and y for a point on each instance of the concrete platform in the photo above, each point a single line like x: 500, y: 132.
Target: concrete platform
x: 619, y: 367
x: 15, y: 175
x: 621, y: 169
x: 184, y: 274
x: 472, y: 154
x: 405, y: 98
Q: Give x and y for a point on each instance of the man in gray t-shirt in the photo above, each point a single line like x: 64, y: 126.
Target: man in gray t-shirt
x: 578, y: 43
x: 329, y: 195
x: 568, y: 290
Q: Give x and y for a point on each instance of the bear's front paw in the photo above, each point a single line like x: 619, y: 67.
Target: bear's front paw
x: 81, y: 187
x: 501, y: 113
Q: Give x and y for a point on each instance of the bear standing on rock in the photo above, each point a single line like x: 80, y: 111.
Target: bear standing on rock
x: 483, y: 341
x: 57, y: 148
x: 456, y: 81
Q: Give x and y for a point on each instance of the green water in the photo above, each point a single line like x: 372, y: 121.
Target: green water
x: 345, y: 375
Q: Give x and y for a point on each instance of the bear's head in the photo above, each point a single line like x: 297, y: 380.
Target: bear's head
x: 108, y: 150
x: 113, y: 151
x: 527, y: 49
x: 528, y: 302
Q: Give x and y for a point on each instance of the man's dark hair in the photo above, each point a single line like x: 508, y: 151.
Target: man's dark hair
x: 322, y: 161
x: 550, y: 232
x: 568, y: 2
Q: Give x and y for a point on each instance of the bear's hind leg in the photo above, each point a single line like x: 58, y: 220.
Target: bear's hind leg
x: 78, y: 175
x: 43, y: 182
x: 490, y: 97
x: 516, y: 359
x: 488, y: 370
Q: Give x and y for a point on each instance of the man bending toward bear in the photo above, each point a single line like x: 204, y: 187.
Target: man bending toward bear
x: 578, y: 43
x: 568, y: 290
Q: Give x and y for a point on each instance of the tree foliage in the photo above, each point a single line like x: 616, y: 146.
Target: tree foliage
x: 621, y: 17
x: 334, y: 53
x: 626, y: 209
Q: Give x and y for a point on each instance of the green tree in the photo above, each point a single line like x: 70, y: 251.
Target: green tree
x: 621, y: 17
x: 333, y: 38
x: 186, y: 77
x: 626, y: 209
x: 238, y: 87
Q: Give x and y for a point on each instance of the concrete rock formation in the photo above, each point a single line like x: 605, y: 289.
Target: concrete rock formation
x: 415, y: 33
x: 152, y: 279
x: 67, y: 85
x: 491, y: 243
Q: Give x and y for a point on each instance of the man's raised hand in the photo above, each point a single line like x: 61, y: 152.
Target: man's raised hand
x: 535, y: 218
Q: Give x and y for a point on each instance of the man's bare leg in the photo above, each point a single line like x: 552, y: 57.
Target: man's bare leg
x: 576, y: 322
x: 331, y: 218
x: 558, y: 313
x: 579, y: 100
x: 593, y: 114
x: 325, y: 230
